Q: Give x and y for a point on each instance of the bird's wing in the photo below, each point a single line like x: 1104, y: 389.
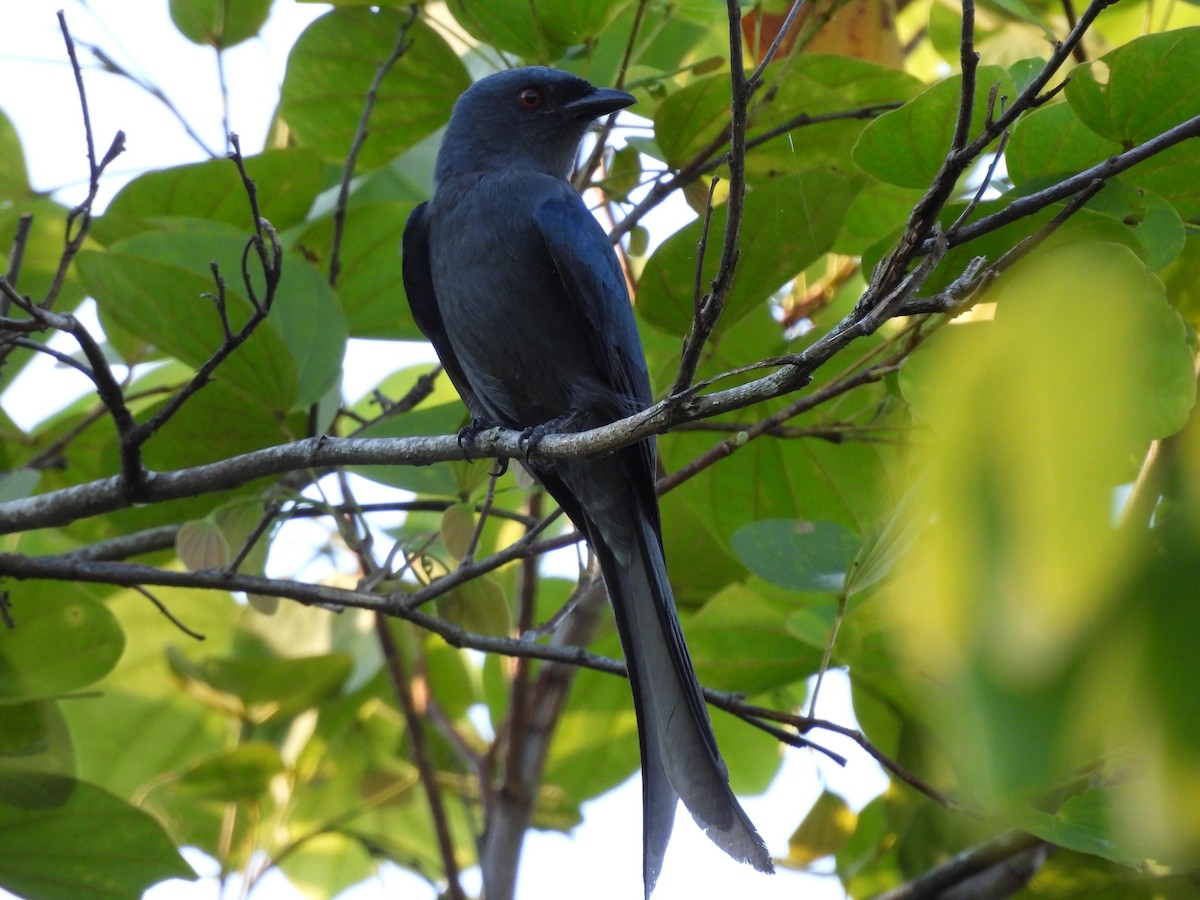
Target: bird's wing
x: 422, y: 300
x: 595, y: 285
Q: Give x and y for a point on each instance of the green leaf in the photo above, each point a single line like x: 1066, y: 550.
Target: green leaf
x: 18, y: 483
x: 369, y: 283
x: 287, y: 182
x: 189, y: 438
x: 790, y: 221
x: 539, y: 31
x: 692, y: 118
x: 1140, y: 89
x: 166, y: 303
x: 158, y: 285
x: 1154, y: 222
x: 240, y: 775
x: 907, y: 146
x: 479, y: 606
x: 1052, y: 140
x: 739, y: 641
x: 331, y: 68
x: 801, y: 556
x: 62, y: 640
x: 219, y: 23
x: 70, y: 840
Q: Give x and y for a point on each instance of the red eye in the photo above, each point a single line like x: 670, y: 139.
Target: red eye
x: 530, y: 98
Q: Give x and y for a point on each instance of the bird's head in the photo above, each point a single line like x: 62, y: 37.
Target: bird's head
x: 533, y: 117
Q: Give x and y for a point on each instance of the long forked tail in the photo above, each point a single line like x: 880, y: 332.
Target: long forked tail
x: 680, y: 760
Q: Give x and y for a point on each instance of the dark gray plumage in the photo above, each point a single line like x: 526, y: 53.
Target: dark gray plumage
x: 519, y: 290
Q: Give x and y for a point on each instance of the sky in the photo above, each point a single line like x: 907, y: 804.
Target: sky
x: 602, y: 857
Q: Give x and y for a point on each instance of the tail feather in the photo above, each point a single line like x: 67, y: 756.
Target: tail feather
x: 679, y: 753
x: 680, y: 760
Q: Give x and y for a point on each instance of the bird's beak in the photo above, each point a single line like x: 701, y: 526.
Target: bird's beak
x: 600, y: 102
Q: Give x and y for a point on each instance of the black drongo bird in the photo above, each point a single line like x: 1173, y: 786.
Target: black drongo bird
x: 518, y: 288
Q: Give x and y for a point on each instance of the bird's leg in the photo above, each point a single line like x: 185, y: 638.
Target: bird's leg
x: 533, y: 435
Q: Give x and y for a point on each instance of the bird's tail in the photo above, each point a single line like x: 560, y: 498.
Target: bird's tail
x: 680, y: 760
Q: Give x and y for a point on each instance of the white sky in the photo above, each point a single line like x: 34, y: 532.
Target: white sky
x: 600, y: 859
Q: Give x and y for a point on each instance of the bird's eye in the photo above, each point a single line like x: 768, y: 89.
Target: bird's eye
x: 530, y: 98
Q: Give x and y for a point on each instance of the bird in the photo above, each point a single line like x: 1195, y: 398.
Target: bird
x: 519, y: 289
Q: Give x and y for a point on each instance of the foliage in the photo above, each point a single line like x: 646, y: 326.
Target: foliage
x: 970, y: 477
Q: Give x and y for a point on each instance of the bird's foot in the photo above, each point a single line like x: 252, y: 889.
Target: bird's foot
x: 469, y: 432
x: 472, y: 430
x: 533, y: 435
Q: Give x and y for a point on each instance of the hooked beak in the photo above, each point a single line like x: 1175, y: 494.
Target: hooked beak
x: 600, y: 102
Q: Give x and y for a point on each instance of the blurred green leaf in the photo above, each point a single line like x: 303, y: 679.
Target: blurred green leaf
x: 71, y: 840
x: 140, y: 705
x: 34, y: 738
x: 1082, y: 823
x: 326, y: 864
x: 14, y: 177
x: 1013, y: 573
x: 825, y: 830
x: 61, y: 640
x: 259, y: 689
x: 43, y: 249
x: 240, y: 775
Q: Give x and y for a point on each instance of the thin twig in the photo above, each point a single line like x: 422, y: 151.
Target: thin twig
x: 752, y: 83
x: 398, y: 674
x: 16, y: 255
x: 485, y: 508
x: 110, y: 65
x: 399, y: 48
x: 713, y: 303
x: 969, y: 61
x: 166, y: 612
x: 1114, y: 165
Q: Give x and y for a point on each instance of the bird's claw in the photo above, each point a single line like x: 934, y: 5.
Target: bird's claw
x: 469, y: 432
x: 533, y: 435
